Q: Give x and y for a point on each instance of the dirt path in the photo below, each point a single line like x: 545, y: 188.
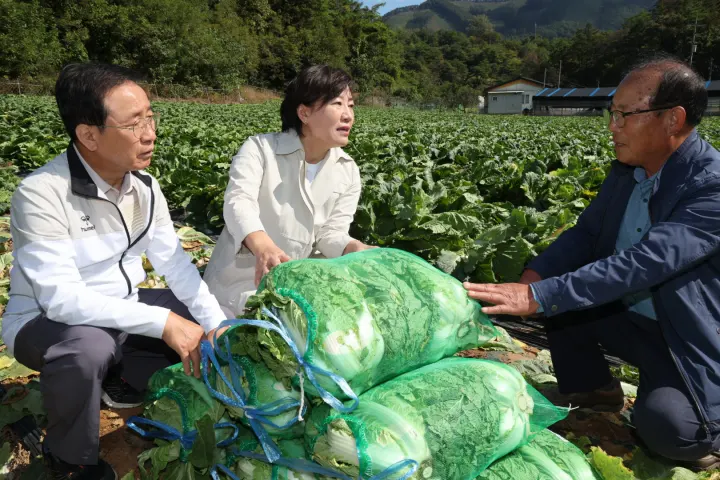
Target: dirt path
x: 119, y: 446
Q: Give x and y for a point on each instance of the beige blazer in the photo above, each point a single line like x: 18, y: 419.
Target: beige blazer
x: 268, y: 191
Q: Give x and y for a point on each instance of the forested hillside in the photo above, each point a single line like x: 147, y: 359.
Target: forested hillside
x: 225, y: 44
x: 518, y: 17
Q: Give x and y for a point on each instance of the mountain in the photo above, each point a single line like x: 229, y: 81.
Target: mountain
x: 518, y: 17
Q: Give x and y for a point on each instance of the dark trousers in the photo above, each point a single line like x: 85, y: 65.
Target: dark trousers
x: 73, y: 362
x: 664, y: 414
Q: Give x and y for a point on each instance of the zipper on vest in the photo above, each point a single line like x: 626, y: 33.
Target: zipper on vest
x: 127, y: 232
x: 122, y: 257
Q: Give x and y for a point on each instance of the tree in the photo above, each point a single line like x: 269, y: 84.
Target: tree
x: 29, y: 44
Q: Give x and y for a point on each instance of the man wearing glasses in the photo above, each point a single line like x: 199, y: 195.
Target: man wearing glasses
x: 80, y: 225
x: 639, y: 274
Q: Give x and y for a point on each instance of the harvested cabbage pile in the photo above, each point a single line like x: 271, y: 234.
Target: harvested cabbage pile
x: 179, y: 400
x: 452, y: 418
x: 261, y: 388
x: 253, y: 469
x: 183, y: 414
x: 547, y: 457
x: 365, y: 317
x: 340, y: 369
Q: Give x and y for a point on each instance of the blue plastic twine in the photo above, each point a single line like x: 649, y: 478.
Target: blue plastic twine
x: 166, y: 432
x: 252, y: 414
x: 305, y: 466
x: 256, y: 415
x: 310, y: 370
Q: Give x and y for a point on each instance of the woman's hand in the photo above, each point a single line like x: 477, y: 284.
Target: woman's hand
x: 268, y: 258
x: 356, y: 246
x: 267, y: 254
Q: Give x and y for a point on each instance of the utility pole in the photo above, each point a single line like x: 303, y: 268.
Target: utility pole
x: 560, y: 74
x: 693, y: 47
x: 536, y: 33
x: 711, y: 68
x: 544, y: 78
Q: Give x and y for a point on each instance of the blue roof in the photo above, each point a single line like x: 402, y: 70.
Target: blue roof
x: 605, y: 92
x: 600, y: 92
x: 597, y: 93
x: 583, y: 92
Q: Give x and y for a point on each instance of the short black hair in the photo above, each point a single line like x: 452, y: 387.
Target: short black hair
x: 316, y: 83
x: 80, y: 92
x: 679, y: 85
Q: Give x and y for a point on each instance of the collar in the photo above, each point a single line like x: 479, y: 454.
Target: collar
x: 644, y: 181
x: 102, y: 185
x: 676, y: 167
x: 81, y: 183
x: 289, y: 142
x: 640, y: 175
x: 688, y: 147
x: 682, y: 155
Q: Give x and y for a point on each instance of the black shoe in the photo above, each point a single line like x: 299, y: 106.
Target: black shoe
x: 56, y: 469
x: 117, y: 393
x: 607, y: 399
x: 708, y: 462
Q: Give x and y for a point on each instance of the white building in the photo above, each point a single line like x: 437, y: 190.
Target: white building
x: 514, y: 96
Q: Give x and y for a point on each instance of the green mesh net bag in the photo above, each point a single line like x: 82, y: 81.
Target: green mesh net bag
x: 262, y: 388
x: 547, y: 457
x: 179, y: 406
x: 180, y: 400
x: 198, y: 433
x: 357, y: 320
x: 451, y: 420
x: 245, y: 460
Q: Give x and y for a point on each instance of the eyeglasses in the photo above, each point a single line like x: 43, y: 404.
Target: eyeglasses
x: 139, y: 127
x: 618, y: 116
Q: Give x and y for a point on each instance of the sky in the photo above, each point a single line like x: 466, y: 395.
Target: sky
x: 391, y: 4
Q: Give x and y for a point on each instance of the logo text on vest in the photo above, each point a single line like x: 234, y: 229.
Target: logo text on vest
x: 88, y: 226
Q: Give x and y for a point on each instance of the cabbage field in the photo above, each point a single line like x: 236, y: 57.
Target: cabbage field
x: 478, y: 196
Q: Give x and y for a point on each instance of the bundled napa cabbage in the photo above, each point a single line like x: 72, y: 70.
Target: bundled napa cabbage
x: 180, y: 410
x: 547, y: 457
x: 179, y: 400
x: 367, y: 317
x: 247, y: 468
x: 452, y: 419
x: 262, y: 388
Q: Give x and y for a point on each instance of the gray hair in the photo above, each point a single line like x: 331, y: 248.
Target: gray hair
x: 679, y: 85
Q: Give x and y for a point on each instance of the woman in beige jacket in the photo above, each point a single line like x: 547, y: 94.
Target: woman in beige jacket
x: 292, y: 194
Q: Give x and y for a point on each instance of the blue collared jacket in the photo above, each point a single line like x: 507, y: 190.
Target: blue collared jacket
x: 678, y: 260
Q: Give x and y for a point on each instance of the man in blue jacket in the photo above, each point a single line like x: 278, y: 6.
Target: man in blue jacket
x: 639, y: 274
